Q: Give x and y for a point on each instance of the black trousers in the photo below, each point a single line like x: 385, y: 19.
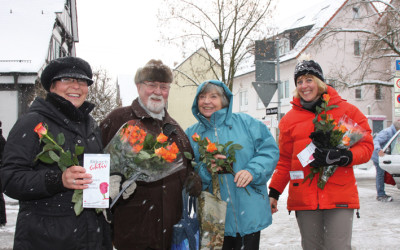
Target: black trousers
x: 248, y: 242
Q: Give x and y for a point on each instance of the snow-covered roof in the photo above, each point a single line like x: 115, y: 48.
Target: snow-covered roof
x: 247, y: 65
x: 26, y: 27
x: 318, y: 16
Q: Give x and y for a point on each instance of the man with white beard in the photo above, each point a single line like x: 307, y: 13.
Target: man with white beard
x: 144, y: 218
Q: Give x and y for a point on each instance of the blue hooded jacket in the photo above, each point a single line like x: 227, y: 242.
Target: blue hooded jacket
x: 246, y: 213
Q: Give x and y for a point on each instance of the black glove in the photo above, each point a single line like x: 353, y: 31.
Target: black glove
x: 320, y: 139
x: 274, y: 193
x: 108, y: 216
x: 328, y: 157
x: 193, y: 184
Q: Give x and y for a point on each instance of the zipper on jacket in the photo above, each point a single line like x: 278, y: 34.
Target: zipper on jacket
x: 358, y: 214
x: 216, y: 133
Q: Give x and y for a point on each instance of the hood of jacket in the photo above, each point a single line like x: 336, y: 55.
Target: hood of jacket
x: 223, y: 115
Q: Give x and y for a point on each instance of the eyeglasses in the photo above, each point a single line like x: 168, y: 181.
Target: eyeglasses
x: 66, y: 80
x: 153, y: 86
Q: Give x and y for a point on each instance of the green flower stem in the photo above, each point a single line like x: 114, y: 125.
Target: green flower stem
x: 55, y: 144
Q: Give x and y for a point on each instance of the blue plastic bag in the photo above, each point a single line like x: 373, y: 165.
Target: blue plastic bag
x: 185, y: 234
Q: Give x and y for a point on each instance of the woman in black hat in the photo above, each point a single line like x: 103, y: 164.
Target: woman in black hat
x: 46, y: 218
x: 324, y: 213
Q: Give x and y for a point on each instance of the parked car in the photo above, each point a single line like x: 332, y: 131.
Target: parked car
x: 390, y: 162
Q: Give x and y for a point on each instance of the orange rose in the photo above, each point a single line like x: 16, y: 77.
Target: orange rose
x: 326, y: 97
x: 173, y: 148
x: 137, y: 147
x: 40, y: 129
x: 343, y: 128
x: 196, y: 137
x: 160, y: 151
x: 169, y: 157
x: 161, y: 138
x: 346, y: 140
x: 211, y: 147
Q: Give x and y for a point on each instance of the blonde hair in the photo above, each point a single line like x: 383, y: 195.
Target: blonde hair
x: 322, y: 87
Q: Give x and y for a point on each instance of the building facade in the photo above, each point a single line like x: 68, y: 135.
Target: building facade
x: 33, y: 33
x: 188, y: 75
x: 340, y: 55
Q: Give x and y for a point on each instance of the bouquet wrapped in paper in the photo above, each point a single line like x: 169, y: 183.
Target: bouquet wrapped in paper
x: 140, y: 156
x: 331, y: 134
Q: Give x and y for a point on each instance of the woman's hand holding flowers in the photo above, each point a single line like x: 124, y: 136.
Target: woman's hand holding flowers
x: 214, y: 165
x: 332, y: 140
x: 335, y: 156
x: 75, y: 177
x: 320, y: 138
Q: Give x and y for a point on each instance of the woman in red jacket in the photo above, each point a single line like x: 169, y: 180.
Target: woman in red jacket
x: 324, y: 216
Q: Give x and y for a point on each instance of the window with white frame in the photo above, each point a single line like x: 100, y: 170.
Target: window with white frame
x: 356, y: 12
x: 57, y: 49
x: 284, y: 90
x: 286, y: 84
x: 284, y: 46
x: 358, y: 93
x: 357, y: 48
x: 378, y: 92
x: 243, y: 100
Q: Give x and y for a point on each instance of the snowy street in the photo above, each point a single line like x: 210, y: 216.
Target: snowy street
x: 378, y: 227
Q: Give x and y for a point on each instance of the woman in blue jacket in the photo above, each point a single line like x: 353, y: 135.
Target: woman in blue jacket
x: 248, y: 212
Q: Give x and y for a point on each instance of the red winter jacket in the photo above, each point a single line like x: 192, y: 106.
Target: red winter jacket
x: 341, y: 190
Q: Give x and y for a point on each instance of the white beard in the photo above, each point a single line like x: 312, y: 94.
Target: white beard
x: 155, y: 107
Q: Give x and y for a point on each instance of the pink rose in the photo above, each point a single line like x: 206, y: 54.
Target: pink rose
x: 103, y: 188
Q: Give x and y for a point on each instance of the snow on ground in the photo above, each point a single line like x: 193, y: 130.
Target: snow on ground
x: 378, y: 227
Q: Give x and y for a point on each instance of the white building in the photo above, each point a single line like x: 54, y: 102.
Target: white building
x: 33, y: 33
x: 340, y: 56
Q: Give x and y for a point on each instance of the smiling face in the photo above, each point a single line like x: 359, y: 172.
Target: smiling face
x: 208, y: 103
x: 154, y: 95
x: 74, y: 91
x: 307, y: 88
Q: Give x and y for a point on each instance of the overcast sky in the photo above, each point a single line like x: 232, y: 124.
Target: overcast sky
x: 121, y: 35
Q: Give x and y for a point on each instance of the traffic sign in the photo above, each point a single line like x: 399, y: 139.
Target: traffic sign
x: 396, y: 85
x: 397, y: 64
x: 272, y: 111
x: 397, y: 101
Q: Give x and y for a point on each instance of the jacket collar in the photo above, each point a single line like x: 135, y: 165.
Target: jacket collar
x: 334, y: 98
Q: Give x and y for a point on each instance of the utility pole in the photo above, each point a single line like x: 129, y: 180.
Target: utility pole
x: 278, y: 79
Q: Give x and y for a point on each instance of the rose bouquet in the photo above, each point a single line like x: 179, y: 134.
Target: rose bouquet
x: 331, y: 134
x: 139, y: 155
x: 53, y: 152
x: 207, y: 151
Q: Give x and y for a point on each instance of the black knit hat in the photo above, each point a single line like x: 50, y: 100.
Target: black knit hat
x: 154, y: 71
x: 73, y: 67
x: 308, y: 68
